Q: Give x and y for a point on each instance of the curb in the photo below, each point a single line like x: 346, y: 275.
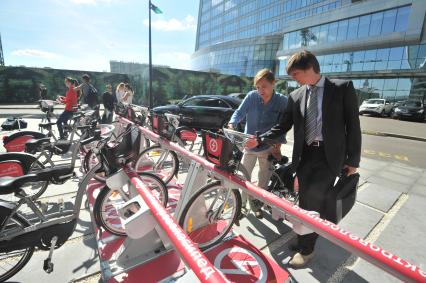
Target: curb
x: 373, y: 133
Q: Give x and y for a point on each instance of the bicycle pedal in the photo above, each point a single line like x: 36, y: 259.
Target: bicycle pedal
x: 48, y: 265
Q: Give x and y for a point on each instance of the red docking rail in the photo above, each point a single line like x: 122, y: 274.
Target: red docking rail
x: 188, y: 250
x: 381, y: 258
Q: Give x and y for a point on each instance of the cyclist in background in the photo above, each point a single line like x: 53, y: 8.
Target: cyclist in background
x: 262, y: 109
x: 70, y: 100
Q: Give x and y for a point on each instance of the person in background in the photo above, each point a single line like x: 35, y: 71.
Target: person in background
x: 89, y: 93
x: 128, y: 94
x: 109, y: 100
x: 70, y: 101
x: 262, y: 108
x: 119, y: 92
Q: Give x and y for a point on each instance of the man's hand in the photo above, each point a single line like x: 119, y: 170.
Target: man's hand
x: 251, y: 143
x: 349, y: 170
x: 230, y: 126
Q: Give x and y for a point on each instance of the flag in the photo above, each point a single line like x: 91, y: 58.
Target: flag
x: 155, y: 9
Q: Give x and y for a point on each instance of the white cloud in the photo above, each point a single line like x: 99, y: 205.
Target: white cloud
x: 173, y: 24
x: 89, y: 2
x: 35, y: 53
x: 179, y: 60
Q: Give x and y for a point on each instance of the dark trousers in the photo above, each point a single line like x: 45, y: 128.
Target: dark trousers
x: 315, y: 180
x: 107, y: 116
x: 62, y: 120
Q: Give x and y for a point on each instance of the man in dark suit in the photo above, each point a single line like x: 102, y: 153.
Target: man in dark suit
x: 327, y: 138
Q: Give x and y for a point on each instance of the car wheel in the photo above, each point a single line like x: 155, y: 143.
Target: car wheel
x: 383, y: 113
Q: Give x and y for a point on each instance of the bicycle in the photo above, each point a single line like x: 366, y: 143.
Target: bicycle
x: 20, y: 233
x: 160, y: 161
x: 210, y: 213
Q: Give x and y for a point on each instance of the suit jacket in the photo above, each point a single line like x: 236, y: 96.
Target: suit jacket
x: 340, y: 124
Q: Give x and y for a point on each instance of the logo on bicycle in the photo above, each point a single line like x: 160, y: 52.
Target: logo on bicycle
x: 213, y: 145
x: 242, y: 265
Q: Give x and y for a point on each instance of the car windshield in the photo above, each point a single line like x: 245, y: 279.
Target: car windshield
x: 413, y: 104
x: 375, y: 101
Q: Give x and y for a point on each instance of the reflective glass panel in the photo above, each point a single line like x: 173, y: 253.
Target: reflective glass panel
x: 353, y: 28
x: 332, y: 32
x: 364, y: 26
x: 342, y: 30
x: 389, y: 18
x: 402, y: 18
x: 376, y: 24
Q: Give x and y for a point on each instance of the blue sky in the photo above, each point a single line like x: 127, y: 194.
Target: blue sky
x: 86, y: 34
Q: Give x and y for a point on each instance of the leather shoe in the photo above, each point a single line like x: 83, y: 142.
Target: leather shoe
x: 299, y: 260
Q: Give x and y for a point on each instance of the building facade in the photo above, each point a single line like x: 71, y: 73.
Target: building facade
x: 379, y: 44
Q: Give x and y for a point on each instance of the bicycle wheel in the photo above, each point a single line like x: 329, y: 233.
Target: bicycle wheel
x: 11, y: 262
x: 209, y: 214
x: 105, y: 208
x: 35, y: 189
x: 162, y: 162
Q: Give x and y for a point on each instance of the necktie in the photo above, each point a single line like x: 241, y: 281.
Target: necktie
x: 311, y: 116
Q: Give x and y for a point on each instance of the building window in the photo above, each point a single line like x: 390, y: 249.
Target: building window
x: 376, y: 24
x: 402, y: 18
x: 389, y: 19
x: 370, y: 25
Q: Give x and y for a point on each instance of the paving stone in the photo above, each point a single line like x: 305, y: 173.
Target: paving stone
x: 360, y: 220
x: 73, y: 260
x: 363, y: 271
x: 365, y: 173
x: 392, y: 185
x: 371, y: 164
x: 396, y: 177
x: 404, y: 235
x: 418, y: 189
x: 378, y: 197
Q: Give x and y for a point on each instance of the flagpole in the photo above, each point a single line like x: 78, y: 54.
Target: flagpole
x: 150, y: 59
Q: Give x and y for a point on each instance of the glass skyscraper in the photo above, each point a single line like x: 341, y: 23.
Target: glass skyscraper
x: 379, y: 44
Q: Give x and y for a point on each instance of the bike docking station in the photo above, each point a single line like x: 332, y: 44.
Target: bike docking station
x: 158, y: 249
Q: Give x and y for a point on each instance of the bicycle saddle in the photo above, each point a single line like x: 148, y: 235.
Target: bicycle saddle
x: 46, y: 125
x: 10, y: 185
x: 33, y: 145
x: 60, y: 146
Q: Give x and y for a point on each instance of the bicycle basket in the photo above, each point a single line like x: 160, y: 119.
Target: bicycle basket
x: 120, y: 109
x: 161, y: 126
x: 123, y: 149
x: 218, y: 149
x: 46, y: 105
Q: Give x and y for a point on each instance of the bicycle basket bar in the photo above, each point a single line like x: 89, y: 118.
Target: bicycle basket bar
x: 237, y: 138
x: 188, y: 250
x: 173, y: 119
x: 144, y: 110
x: 383, y: 259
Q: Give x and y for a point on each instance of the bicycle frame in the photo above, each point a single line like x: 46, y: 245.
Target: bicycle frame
x: 45, y: 220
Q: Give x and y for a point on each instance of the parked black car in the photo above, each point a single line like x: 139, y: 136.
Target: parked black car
x: 207, y: 111
x: 410, y: 109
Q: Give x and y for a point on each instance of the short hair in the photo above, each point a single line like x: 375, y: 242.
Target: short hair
x: 70, y: 80
x: 86, y: 78
x: 302, y: 60
x: 264, y: 74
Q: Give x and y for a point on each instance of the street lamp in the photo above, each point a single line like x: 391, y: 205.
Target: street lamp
x: 157, y: 11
